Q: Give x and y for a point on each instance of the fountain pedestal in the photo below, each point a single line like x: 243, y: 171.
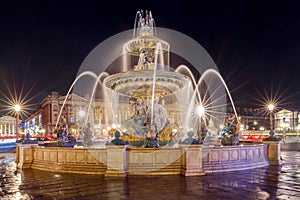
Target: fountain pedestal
x: 116, y: 161
x: 192, y: 160
x: 24, y: 155
x: 123, y: 161
x: 274, y: 151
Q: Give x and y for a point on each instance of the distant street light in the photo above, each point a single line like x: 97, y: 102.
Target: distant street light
x: 271, y: 107
x: 17, y: 109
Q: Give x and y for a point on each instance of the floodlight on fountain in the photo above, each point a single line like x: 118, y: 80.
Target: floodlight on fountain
x: 200, y: 110
x: 114, y: 126
x: 81, y: 113
x: 108, y: 128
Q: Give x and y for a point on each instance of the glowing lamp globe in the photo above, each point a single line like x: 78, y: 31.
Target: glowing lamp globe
x: 17, y: 108
x: 271, y: 107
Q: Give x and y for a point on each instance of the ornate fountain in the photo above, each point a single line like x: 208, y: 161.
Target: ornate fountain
x: 140, y: 101
x: 148, y: 83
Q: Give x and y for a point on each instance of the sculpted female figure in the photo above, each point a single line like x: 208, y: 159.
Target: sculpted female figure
x: 159, y: 115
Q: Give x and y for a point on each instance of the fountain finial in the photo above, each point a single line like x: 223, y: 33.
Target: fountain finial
x: 145, y: 23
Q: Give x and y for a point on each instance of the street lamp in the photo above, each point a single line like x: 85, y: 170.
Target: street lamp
x: 17, y: 109
x: 271, y: 108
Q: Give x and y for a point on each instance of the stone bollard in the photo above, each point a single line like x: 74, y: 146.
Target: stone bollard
x: 274, y: 152
x: 25, y: 155
x: 192, y: 160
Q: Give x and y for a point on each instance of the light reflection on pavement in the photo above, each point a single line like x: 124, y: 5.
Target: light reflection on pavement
x: 273, y: 182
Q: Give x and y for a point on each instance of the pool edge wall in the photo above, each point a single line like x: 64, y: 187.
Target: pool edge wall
x: 187, y: 160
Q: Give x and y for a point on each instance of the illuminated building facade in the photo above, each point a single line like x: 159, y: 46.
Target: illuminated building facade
x: 287, y: 120
x: 7, y: 126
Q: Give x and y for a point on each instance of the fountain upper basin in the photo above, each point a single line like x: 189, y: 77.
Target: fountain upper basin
x: 141, y: 81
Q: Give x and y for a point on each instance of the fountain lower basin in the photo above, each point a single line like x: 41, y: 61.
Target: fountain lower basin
x: 187, y: 160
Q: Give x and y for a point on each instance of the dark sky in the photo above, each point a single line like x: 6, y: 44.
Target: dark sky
x: 255, y: 44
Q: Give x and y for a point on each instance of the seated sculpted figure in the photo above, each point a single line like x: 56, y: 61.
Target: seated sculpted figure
x: 159, y: 115
x: 88, y: 136
x: 138, y: 119
x: 190, y: 139
x: 151, y: 137
x: 140, y: 111
x: 69, y: 141
x: 117, y: 140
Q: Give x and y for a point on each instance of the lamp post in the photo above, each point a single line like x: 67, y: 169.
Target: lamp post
x: 17, y: 109
x: 271, y: 108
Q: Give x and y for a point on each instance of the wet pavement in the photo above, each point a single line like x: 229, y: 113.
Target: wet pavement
x: 262, y: 183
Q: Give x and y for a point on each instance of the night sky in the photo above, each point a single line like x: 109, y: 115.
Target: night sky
x: 255, y: 44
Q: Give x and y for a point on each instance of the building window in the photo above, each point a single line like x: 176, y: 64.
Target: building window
x: 55, y: 118
x: 40, y: 120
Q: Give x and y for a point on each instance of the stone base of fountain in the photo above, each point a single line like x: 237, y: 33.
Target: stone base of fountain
x: 188, y: 160
x: 232, y: 158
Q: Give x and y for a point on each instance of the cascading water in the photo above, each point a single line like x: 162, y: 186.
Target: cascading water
x: 97, y: 82
x: 86, y: 73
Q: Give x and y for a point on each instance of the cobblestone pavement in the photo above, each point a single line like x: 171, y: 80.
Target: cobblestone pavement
x: 262, y: 183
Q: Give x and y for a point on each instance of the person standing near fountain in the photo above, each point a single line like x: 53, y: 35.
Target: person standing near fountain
x: 190, y: 139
